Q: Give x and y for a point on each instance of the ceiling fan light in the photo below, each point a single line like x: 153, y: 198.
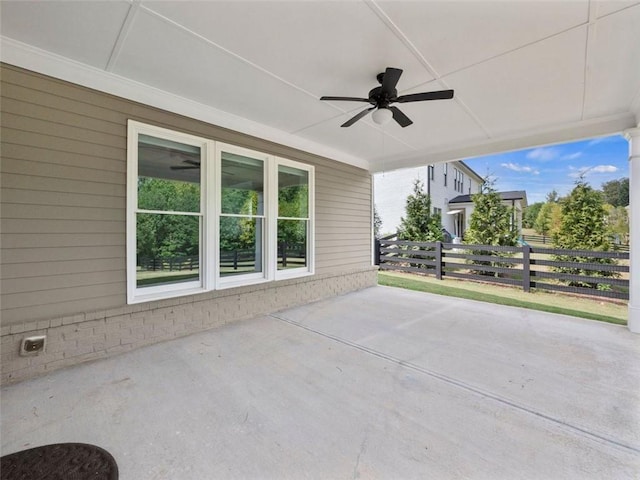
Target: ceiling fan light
x: 382, y: 116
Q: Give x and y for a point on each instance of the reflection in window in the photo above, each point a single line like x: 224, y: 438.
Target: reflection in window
x: 242, y: 215
x: 168, y: 218
x: 293, y: 217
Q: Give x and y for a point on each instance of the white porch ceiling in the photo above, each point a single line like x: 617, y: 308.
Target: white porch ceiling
x: 525, y: 73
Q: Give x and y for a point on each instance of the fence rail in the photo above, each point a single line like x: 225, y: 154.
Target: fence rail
x: 526, y: 266
x: 545, y: 240
x: 290, y: 255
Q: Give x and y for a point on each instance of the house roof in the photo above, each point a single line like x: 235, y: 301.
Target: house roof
x: 471, y: 171
x: 511, y: 195
x: 524, y: 73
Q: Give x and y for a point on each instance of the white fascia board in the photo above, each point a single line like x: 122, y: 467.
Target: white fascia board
x: 31, y: 58
x: 597, y: 127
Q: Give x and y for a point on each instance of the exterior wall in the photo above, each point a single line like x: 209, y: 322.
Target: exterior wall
x: 392, y: 189
x: 63, y: 229
x: 468, y: 210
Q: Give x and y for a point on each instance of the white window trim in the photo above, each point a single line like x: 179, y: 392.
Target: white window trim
x: 309, y: 269
x: 250, y: 278
x: 210, y: 211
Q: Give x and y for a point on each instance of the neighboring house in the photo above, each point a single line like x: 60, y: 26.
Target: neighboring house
x: 443, y: 181
x: 450, y: 185
x: 461, y: 208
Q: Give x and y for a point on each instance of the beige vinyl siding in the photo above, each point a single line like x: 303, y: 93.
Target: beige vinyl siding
x: 63, y: 192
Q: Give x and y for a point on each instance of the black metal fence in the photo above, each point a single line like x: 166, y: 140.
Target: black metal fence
x: 524, y: 266
x: 171, y: 264
x: 546, y: 240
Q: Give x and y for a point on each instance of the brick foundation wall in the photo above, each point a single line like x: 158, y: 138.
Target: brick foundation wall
x: 93, y: 335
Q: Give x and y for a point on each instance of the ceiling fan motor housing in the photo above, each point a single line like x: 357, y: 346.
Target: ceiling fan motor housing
x: 382, y: 99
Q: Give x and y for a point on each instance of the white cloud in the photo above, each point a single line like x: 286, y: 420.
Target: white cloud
x: 544, y: 154
x: 584, y: 171
x: 604, y: 169
x: 572, y: 156
x: 596, y: 141
x: 519, y: 168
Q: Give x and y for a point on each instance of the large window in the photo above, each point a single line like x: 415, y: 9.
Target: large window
x: 293, y: 217
x: 203, y: 215
x: 242, y: 214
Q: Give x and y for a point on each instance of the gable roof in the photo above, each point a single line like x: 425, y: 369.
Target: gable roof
x: 511, y: 195
x: 471, y: 171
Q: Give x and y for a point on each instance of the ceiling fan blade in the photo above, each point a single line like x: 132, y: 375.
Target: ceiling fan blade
x: 400, y: 117
x: 353, y: 120
x: 192, y: 162
x: 421, y: 97
x: 185, y: 167
x: 347, y: 99
x: 390, y: 80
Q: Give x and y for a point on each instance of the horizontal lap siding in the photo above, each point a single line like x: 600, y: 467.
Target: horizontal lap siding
x: 63, y: 188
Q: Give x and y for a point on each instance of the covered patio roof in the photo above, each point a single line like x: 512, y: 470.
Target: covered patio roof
x: 524, y: 73
x: 381, y: 383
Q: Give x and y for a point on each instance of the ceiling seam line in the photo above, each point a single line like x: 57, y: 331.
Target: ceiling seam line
x: 403, y: 38
x: 513, y: 50
x: 122, y: 36
x: 384, y: 18
x: 228, y: 52
x: 591, y: 26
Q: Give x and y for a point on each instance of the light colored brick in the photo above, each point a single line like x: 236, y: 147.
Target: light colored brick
x: 55, y: 322
x: 24, y: 327
x: 91, y: 324
x: 95, y: 315
x: 74, y: 319
x: 80, y: 349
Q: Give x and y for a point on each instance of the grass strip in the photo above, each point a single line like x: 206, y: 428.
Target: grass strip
x: 420, y: 286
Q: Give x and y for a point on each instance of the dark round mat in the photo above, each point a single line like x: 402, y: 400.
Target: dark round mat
x: 61, y: 461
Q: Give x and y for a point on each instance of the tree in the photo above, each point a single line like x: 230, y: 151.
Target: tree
x: 583, y: 228
x: 377, y: 222
x: 549, y: 219
x: 552, y: 196
x: 491, y: 221
x: 530, y: 214
x: 167, y: 235
x: 420, y: 225
x: 616, y: 192
x: 618, y: 221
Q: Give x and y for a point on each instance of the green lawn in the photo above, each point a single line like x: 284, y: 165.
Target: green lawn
x: 592, y: 309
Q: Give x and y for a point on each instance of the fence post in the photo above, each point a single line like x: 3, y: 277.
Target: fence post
x: 376, y: 252
x: 235, y: 259
x: 439, y: 260
x: 284, y: 254
x: 526, y: 268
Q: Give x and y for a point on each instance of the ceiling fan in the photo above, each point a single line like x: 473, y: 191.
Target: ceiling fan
x: 191, y: 164
x: 383, y: 96
x: 195, y: 165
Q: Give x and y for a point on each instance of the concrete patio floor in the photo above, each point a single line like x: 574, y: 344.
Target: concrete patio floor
x: 381, y: 383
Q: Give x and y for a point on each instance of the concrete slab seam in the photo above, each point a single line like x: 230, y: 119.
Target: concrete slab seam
x: 598, y: 438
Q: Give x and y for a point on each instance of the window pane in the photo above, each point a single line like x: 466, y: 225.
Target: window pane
x: 292, y: 244
x: 168, y: 249
x: 293, y: 192
x: 241, y: 242
x: 242, y: 185
x: 168, y: 175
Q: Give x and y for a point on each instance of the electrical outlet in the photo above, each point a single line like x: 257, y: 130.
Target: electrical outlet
x: 33, y: 345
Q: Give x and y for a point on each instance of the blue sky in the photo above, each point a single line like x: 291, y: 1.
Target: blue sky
x: 543, y: 169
